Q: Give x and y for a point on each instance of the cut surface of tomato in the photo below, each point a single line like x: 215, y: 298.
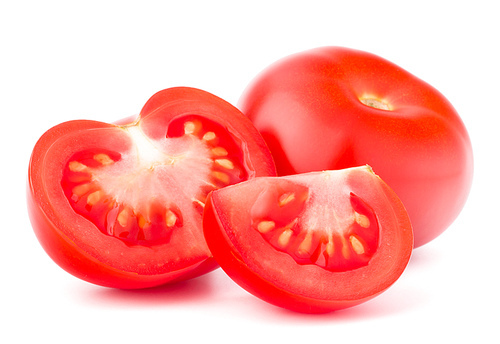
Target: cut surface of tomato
x: 137, y: 196
x: 313, y: 242
x: 121, y: 205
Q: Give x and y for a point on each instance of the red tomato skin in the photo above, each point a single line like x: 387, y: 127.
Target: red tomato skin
x: 77, y: 262
x: 48, y: 219
x: 307, y: 107
x: 216, y: 227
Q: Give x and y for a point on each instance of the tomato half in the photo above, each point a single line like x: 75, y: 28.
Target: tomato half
x: 313, y: 242
x: 121, y: 205
x: 332, y: 108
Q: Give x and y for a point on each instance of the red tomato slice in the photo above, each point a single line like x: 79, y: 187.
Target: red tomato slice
x: 121, y: 205
x: 314, y: 242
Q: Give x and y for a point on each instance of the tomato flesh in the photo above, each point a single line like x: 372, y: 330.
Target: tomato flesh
x: 120, y: 205
x: 313, y: 242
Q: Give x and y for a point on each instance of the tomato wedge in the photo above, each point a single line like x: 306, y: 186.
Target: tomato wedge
x: 121, y: 205
x: 314, y: 242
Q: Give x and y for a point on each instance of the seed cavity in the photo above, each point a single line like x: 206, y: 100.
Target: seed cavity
x: 99, y: 189
x: 337, y: 233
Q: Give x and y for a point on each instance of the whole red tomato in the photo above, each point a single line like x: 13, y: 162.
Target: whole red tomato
x: 121, y: 205
x: 333, y: 108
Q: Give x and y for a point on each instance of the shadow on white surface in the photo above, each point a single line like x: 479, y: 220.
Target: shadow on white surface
x: 197, y: 290
x: 215, y: 292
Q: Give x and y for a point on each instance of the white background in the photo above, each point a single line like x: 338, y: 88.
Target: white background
x: 64, y: 60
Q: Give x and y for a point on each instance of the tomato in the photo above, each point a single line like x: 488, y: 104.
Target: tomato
x: 313, y: 242
x: 120, y: 205
x: 333, y: 108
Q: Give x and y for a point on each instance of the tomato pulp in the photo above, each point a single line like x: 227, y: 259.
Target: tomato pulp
x: 314, y: 242
x: 333, y: 108
x: 121, y: 205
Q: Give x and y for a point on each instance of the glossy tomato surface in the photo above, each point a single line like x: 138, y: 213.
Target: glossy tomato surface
x: 121, y: 205
x: 313, y: 242
x: 333, y: 108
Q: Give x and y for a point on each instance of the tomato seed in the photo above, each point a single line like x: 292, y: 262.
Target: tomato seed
x: 305, y: 246
x: 141, y: 221
x: 81, y: 189
x: 189, y: 128
x: 362, y: 220
x: 123, y: 217
x: 285, y: 237
x: 75, y: 166
x: 356, y: 245
x: 221, y: 176
x: 192, y: 127
x: 330, y: 248
x: 170, y: 218
x: 209, y: 136
x: 226, y: 163
x: 94, y: 197
x: 104, y: 159
x: 286, y: 198
x: 266, y: 226
x: 219, y: 151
